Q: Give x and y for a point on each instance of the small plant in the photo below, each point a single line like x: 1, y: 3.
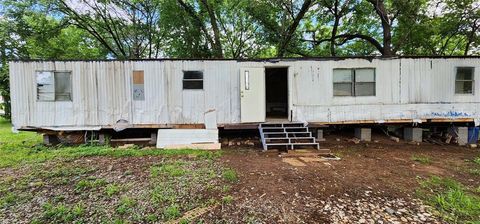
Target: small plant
x: 7, y: 199
x: 171, y: 212
x: 230, y: 175
x: 112, y: 189
x: 225, y: 188
x: 474, y: 172
x: 89, y: 184
x: 62, y: 213
x: 477, y: 160
x: 422, y: 159
x: 126, y: 204
x: 173, y: 170
x: 227, y: 199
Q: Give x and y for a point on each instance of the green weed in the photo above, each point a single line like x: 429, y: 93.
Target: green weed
x: 126, y: 205
x: 173, y: 170
x: 90, y: 183
x: 172, y: 212
x: 477, y: 160
x: 451, y: 199
x: 7, y: 199
x: 230, y: 175
x: 112, y: 189
x: 227, y: 199
x: 62, y: 213
x: 425, y: 160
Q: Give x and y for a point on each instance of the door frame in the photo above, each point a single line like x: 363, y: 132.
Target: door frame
x: 289, y: 88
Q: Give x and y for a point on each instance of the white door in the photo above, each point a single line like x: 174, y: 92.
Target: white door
x: 252, y: 94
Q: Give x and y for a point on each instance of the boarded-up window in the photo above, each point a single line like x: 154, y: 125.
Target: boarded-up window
x: 138, y: 86
x: 192, y: 80
x: 54, y: 86
x: 354, y: 82
x: 464, y: 80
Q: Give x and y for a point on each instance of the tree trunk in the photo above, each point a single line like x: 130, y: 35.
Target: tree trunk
x: 386, y: 26
x: 217, y: 48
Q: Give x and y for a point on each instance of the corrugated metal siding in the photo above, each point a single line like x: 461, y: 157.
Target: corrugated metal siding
x: 408, y: 88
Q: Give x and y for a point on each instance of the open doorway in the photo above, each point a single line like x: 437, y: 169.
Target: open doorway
x: 276, y: 85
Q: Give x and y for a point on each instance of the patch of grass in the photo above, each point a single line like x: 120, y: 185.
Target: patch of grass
x: 173, y: 170
x: 474, y: 172
x: 172, y: 212
x: 7, y: 199
x: 227, y: 199
x: 477, y: 160
x: 230, y: 175
x: 26, y: 147
x: 89, y: 183
x: 425, y: 160
x: 126, y: 205
x: 163, y: 193
x: 112, y: 189
x: 451, y: 199
x: 62, y: 213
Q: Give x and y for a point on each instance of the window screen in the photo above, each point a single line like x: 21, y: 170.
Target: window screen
x: 54, y: 86
x: 464, y: 80
x: 192, y: 80
x: 354, y: 82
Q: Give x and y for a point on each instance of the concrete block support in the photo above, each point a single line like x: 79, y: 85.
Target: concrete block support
x: 413, y: 134
x: 320, y: 137
x: 364, y: 134
x: 462, y: 135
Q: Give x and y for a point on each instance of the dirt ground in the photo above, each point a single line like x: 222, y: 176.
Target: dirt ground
x: 373, y: 182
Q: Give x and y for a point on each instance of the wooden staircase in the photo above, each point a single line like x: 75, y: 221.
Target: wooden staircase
x: 286, y: 136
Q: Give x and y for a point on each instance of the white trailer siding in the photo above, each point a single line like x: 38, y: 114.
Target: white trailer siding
x: 406, y: 88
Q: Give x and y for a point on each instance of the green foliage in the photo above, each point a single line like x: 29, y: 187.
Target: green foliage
x: 230, y: 175
x: 425, y: 160
x: 173, y: 170
x: 62, y: 213
x: 25, y: 147
x: 112, y: 189
x: 89, y: 183
x: 227, y: 199
x: 477, y: 160
x: 172, y: 212
x: 126, y: 205
x: 451, y: 199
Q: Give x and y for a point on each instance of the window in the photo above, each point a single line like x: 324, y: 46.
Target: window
x: 54, y: 86
x: 192, y: 80
x: 354, y: 82
x: 138, y: 90
x: 464, y: 80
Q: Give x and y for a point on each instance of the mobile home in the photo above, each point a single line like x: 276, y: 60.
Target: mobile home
x: 188, y: 93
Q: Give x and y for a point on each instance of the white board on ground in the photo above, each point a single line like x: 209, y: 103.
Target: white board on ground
x: 168, y: 137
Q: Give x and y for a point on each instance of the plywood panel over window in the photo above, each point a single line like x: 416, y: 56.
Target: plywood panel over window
x: 138, y: 86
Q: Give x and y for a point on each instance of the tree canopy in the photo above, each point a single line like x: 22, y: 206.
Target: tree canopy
x: 132, y: 29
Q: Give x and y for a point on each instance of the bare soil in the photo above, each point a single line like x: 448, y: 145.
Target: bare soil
x: 273, y: 191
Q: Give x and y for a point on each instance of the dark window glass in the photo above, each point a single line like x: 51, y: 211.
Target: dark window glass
x: 464, y: 80
x: 192, y: 80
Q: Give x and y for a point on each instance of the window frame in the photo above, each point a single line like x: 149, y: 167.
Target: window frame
x: 192, y: 80
x: 472, y: 80
x: 54, y: 86
x: 354, y: 82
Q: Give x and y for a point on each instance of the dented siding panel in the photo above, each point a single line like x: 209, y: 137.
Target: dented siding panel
x: 406, y: 88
